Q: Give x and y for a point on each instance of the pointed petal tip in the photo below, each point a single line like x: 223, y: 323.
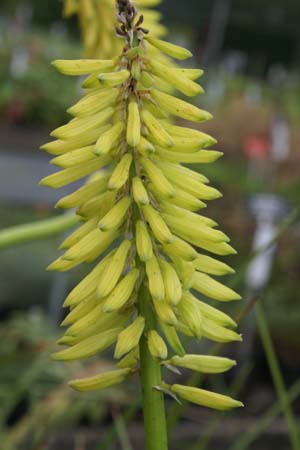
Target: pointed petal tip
x: 55, y: 356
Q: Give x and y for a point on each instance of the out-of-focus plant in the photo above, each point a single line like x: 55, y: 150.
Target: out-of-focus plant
x: 33, y: 394
x: 28, y: 96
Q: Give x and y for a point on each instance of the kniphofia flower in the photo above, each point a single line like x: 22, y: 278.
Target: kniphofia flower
x: 96, y: 18
x: 140, y: 215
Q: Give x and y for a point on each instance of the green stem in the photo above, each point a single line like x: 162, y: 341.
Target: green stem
x: 277, y: 376
x: 121, y: 431
x: 153, y: 400
x: 41, y: 229
x: 110, y: 432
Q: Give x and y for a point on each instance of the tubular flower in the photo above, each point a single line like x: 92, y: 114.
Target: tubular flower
x: 96, y: 18
x: 139, y: 208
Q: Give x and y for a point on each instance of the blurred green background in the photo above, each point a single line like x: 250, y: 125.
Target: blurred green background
x: 250, y: 53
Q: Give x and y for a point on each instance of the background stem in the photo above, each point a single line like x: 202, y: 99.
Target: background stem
x: 277, y: 376
x: 33, y: 231
x: 153, y: 400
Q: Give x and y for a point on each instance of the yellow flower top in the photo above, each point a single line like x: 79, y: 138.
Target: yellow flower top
x: 139, y: 211
x: 96, y: 18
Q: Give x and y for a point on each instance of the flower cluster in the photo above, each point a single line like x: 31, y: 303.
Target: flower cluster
x: 139, y: 209
x: 96, y: 18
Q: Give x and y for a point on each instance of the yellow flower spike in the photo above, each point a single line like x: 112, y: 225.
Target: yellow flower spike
x: 97, y: 206
x: 96, y: 21
x: 179, y: 108
x: 204, y: 139
x: 132, y: 53
x: 165, y: 312
x: 214, y: 289
x: 84, y: 307
x: 198, y: 190
x: 113, y: 79
x: 82, y: 66
x: 181, y: 198
x: 170, y: 49
x: 216, y: 315
x: 186, y: 145
x: 85, y: 193
x: 219, y: 248
x: 116, y: 216
x: 191, y: 74
x: 74, y: 157
x: 67, y: 176
x: 157, y: 225
x: 100, y: 381
x: 70, y: 7
x: 81, y: 126
x: 108, y: 139
x: 59, y: 147
x: 209, y: 265
x: 136, y: 70
x: 61, y: 265
x: 113, y: 270
x: 143, y: 242
x: 217, y: 333
x: 194, y: 229
x: 175, y: 171
x: 203, y: 363
x: 157, y: 346
x: 133, y: 135
x: 122, y: 292
x: 78, y: 234
x: 155, y: 279
x: 200, y: 157
x: 191, y: 316
x: 157, y: 112
x: 140, y: 205
x: 130, y: 360
x: 146, y: 79
x: 88, y: 320
x: 181, y: 249
x: 129, y: 338
x: 211, y: 313
x: 91, y: 82
x: 156, y: 176
x: 87, y: 285
x: 172, y: 338
x: 95, y: 240
x: 173, y: 289
x: 190, y: 216
x: 93, y: 103
x: 88, y: 347
x: 178, y: 80
x: 145, y: 147
x: 120, y: 174
x: 139, y: 192
x: 104, y: 322
x: 185, y: 270
x: 157, y: 132
x: 205, y: 398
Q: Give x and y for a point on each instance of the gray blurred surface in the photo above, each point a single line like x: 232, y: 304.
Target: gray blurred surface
x: 19, y: 178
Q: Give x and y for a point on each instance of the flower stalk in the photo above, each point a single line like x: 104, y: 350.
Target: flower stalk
x: 155, y: 426
x: 41, y: 229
